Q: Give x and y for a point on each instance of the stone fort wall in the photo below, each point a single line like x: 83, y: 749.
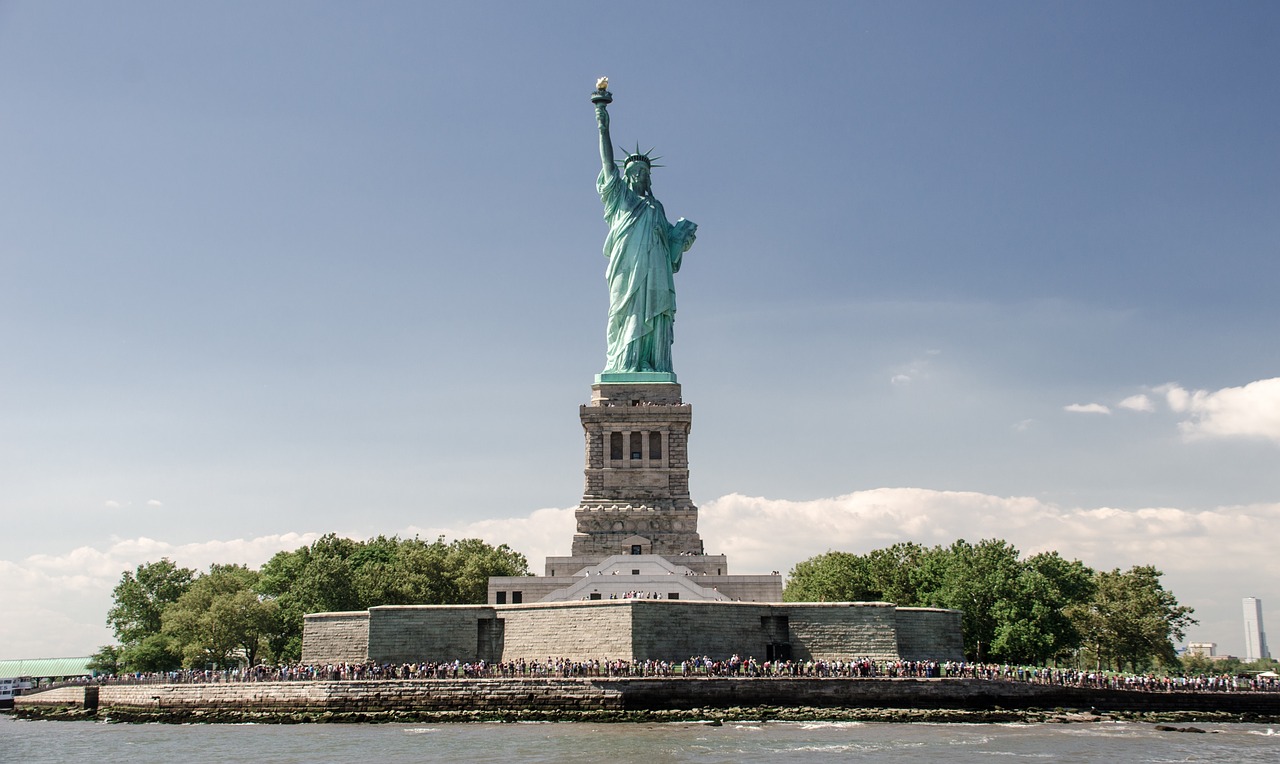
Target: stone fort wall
x: 436, y: 633
x: 925, y: 633
x: 574, y: 630
x: 635, y: 630
x: 339, y: 637
x: 831, y: 631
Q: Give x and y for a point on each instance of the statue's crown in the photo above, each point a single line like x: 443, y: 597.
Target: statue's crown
x: 640, y: 156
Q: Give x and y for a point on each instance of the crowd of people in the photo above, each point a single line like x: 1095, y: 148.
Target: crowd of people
x: 708, y: 668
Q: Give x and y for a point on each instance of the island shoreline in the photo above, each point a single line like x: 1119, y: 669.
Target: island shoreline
x: 608, y: 700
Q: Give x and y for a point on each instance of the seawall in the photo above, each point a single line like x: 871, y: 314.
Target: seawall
x: 610, y: 699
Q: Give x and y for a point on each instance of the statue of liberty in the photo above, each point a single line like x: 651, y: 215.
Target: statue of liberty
x: 644, y: 250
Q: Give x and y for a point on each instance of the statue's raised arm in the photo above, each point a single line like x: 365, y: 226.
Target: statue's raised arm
x: 602, y: 98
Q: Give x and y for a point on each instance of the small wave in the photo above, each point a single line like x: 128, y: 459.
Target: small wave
x: 835, y: 748
x: 830, y: 725
x: 982, y: 740
x: 855, y: 747
x: 1096, y: 730
x: 420, y: 730
x: 1269, y: 733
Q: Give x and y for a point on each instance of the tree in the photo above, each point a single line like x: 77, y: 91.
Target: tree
x: 1012, y: 609
x: 469, y: 563
x: 337, y: 574
x: 139, y: 602
x: 982, y: 581
x: 312, y: 579
x: 1261, y: 664
x: 1194, y: 664
x: 106, y: 660
x: 830, y: 577
x: 221, y: 619
x: 157, y: 652
x: 905, y: 573
x: 1031, y: 622
x: 1131, y: 619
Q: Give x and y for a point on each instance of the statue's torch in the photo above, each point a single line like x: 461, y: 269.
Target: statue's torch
x: 601, y: 94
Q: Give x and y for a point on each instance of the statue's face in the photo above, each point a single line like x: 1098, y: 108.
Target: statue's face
x: 637, y: 175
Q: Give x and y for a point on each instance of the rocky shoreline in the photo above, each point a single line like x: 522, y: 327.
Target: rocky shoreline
x: 711, y: 716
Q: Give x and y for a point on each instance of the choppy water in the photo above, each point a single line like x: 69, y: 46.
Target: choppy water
x: 771, y: 742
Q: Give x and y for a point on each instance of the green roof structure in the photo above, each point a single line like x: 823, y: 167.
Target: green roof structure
x: 45, y: 668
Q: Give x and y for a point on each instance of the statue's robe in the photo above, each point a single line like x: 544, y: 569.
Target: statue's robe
x: 642, y: 295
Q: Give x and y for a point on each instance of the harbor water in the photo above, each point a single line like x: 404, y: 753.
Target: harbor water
x: 772, y: 742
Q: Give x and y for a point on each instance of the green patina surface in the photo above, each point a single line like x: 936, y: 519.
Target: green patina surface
x: 632, y: 377
x: 45, y: 668
x: 644, y: 251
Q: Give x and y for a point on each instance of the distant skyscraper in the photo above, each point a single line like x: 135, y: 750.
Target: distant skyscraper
x: 1255, y: 638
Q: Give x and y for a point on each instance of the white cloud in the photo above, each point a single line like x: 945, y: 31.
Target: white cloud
x: 154, y: 503
x: 111, y: 504
x: 1139, y: 402
x: 1177, y: 398
x: 770, y: 533
x: 1251, y: 411
x: 920, y: 369
x: 1024, y: 425
x: 1087, y: 408
x: 544, y: 533
x: 56, y: 605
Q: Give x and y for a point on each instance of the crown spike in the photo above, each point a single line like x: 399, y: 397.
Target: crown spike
x: 638, y: 156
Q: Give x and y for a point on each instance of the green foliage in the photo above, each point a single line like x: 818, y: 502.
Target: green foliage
x: 1012, y: 609
x: 830, y: 577
x: 1017, y: 610
x: 1192, y: 665
x: 1261, y: 664
x: 107, y: 660
x: 906, y: 572
x: 982, y: 581
x: 155, y: 652
x: 141, y: 597
x: 903, y: 573
x: 1033, y: 623
x: 1228, y: 665
x: 166, y: 617
x: 221, y: 618
x: 336, y: 574
x: 1131, y: 620
x: 139, y: 601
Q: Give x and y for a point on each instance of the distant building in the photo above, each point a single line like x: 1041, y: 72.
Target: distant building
x: 1255, y: 637
x: 1203, y: 649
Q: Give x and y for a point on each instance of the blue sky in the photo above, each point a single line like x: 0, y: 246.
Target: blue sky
x: 983, y: 269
